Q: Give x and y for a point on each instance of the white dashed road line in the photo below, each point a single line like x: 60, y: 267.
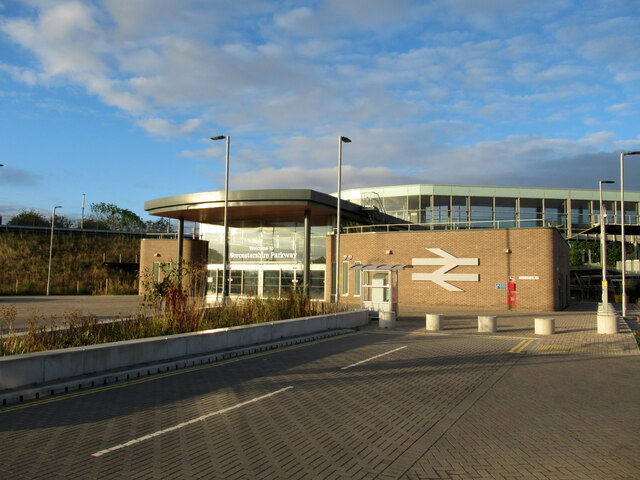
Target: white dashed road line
x: 184, y: 424
x: 371, y: 358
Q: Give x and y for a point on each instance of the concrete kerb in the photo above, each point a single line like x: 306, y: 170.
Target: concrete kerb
x: 28, y: 370
x: 141, y: 371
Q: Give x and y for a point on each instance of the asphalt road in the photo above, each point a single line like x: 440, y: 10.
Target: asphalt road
x: 43, y: 309
x: 374, y: 404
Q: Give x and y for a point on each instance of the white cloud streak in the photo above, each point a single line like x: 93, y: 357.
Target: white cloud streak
x: 457, y: 91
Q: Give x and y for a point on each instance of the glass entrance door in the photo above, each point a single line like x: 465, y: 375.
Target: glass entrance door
x: 264, y: 283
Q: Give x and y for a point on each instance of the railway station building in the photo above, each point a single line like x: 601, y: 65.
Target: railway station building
x: 423, y: 245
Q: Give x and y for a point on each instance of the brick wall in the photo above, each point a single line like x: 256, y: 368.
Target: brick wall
x: 536, y: 259
x: 166, y: 251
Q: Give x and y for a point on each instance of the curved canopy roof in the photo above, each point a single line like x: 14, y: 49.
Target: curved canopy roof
x: 208, y: 207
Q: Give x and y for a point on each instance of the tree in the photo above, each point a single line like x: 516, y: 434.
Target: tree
x: 30, y: 218
x: 580, y: 251
x: 159, y: 226
x: 108, y: 216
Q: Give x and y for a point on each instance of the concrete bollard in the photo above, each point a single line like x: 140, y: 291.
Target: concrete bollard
x: 387, y: 319
x: 487, y: 324
x: 434, y: 322
x: 607, y: 323
x: 545, y: 326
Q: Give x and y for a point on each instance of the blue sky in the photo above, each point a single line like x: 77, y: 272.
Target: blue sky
x: 117, y: 99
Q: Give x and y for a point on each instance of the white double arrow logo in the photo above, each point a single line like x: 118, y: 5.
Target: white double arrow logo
x: 447, y: 262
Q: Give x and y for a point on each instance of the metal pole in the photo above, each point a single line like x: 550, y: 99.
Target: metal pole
x: 225, y: 255
x: 622, y: 240
x: 225, y: 248
x: 603, y: 250
x: 306, y: 275
x: 82, y: 215
x: 338, y: 211
x: 338, y: 219
x: 180, y: 248
x: 623, y: 253
x: 53, y: 220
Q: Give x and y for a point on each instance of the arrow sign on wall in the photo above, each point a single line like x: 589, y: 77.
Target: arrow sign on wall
x: 447, y: 262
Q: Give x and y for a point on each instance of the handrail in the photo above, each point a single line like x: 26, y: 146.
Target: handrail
x: 461, y: 225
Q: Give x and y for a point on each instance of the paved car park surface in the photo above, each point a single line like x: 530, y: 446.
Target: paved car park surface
x: 400, y: 403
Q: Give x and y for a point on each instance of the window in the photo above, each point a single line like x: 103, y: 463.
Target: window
x: 317, y: 284
x: 505, y: 212
x: 481, y: 212
x: 345, y: 278
x: 357, y: 281
x: 530, y: 212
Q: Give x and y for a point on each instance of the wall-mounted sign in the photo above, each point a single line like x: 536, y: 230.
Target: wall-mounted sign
x: 501, y: 286
x: 447, y: 262
x: 262, y: 254
x: 528, y: 277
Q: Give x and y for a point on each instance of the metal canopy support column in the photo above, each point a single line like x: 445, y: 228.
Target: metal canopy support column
x: 306, y: 279
x: 180, y: 244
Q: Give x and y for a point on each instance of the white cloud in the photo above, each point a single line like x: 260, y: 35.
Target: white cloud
x: 167, y: 128
x: 322, y: 179
x: 455, y: 91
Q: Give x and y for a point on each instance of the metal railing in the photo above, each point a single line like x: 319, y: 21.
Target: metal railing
x: 459, y: 225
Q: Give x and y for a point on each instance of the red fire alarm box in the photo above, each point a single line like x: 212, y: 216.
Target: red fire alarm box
x: 511, y: 299
x: 511, y: 287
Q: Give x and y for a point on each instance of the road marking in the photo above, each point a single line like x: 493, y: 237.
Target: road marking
x: 371, y: 358
x: 520, y: 347
x: 184, y: 424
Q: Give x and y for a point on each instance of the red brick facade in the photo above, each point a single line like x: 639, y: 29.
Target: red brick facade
x: 535, y: 260
x: 164, y: 251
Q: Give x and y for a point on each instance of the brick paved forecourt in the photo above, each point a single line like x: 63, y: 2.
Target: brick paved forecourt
x: 385, y: 404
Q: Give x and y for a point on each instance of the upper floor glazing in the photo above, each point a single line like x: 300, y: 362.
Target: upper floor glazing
x: 462, y: 207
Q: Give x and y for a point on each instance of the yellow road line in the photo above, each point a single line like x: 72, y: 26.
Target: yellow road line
x: 520, y: 347
x: 159, y: 376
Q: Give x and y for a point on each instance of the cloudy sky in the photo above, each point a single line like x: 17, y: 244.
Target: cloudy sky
x: 117, y: 99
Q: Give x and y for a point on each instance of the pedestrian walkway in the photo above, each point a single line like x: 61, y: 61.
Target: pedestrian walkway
x: 575, y: 328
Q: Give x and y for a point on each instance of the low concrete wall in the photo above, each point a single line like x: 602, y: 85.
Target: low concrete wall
x: 17, y: 371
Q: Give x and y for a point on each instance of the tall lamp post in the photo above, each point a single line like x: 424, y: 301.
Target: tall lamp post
x: 225, y: 248
x: 82, y: 210
x: 603, y: 250
x: 622, y: 239
x: 341, y: 140
x: 53, y: 221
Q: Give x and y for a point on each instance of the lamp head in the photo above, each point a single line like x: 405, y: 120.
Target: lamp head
x: 219, y: 137
x: 345, y: 139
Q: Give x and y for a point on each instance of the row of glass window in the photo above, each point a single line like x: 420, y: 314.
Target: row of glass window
x: 484, y: 211
x: 265, y: 283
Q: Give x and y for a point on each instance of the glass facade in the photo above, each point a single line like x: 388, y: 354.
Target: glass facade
x: 266, y: 258
x: 459, y: 207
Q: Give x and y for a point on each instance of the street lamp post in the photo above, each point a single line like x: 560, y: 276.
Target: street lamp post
x: 82, y: 210
x: 341, y: 139
x: 53, y: 221
x: 622, y: 239
x: 603, y: 250
x: 225, y: 248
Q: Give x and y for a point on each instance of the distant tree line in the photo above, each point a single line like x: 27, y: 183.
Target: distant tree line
x: 104, y: 216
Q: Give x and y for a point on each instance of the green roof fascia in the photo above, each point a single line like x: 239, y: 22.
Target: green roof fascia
x: 491, y: 191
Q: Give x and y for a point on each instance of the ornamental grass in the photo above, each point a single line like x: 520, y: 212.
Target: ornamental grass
x: 171, y: 307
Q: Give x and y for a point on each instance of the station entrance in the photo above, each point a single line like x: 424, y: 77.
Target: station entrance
x: 264, y: 280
